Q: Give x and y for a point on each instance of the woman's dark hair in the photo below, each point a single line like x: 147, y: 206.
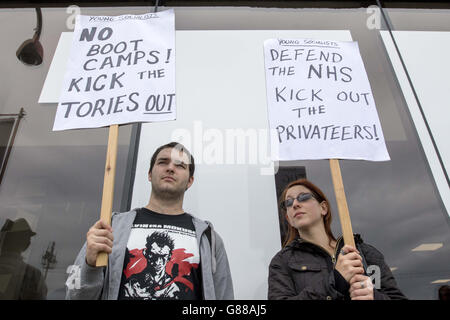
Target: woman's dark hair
x: 292, y: 233
x: 179, y: 147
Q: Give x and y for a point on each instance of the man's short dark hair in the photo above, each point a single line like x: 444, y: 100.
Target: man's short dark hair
x: 179, y: 147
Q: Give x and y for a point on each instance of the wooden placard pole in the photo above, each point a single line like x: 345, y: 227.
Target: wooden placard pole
x: 341, y: 200
x: 108, y: 185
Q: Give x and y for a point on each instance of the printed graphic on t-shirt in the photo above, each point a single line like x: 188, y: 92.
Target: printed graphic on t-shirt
x: 161, y: 264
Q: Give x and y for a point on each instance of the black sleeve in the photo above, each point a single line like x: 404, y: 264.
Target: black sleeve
x: 341, y: 284
x: 387, y: 288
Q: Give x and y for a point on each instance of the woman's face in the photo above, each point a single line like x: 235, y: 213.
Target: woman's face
x: 304, y: 214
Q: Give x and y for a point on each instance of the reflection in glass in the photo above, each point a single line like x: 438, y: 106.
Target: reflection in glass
x: 18, y: 280
x: 48, y: 259
x: 9, y: 124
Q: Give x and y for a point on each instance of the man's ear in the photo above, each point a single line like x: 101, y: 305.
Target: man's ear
x: 150, y: 176
x: 190, y: 182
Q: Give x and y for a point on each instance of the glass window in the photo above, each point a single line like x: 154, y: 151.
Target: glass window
x: 52, y: 186
x: 53, y: 180
x: 7, y: 135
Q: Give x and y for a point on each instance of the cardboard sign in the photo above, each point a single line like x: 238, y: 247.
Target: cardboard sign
x: 121, y: 69
x: 320, y: 102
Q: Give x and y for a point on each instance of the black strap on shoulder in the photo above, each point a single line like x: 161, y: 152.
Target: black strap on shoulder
x: 208, y: 235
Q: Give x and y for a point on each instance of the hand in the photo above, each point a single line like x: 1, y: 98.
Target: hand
x: 350, y: 263
x: 99, y: 239
x: 361, y: 288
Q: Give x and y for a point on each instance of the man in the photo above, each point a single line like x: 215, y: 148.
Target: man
x: 155, y: 251
x: 18, y: 279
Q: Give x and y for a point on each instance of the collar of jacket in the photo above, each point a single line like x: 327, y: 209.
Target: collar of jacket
x: 299, y: 242
x: 200, y: 228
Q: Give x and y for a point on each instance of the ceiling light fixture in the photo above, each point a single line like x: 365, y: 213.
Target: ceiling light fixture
x: 428, y: 247
x: 441, y: 281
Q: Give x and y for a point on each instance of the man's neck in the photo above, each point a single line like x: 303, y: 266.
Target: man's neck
x: 164, y: 206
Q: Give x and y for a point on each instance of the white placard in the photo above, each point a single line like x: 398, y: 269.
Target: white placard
x: 121, y: 69
x: 320, y: 102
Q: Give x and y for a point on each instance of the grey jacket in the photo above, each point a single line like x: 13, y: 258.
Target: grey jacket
x: 104, y: 282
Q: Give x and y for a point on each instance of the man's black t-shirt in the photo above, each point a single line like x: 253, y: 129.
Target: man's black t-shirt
x: 162, y: 259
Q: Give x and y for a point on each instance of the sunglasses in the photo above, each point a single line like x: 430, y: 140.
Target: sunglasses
x: 300, y: 198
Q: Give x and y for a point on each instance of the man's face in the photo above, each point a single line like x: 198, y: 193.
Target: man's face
x: 170, y: 173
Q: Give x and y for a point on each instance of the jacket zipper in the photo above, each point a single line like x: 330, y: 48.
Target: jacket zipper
x: 333, y: 257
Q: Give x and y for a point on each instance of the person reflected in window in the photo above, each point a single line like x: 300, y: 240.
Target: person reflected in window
x: 18, y: 280
x: 314, y: 265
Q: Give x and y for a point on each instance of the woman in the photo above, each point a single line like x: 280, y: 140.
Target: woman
x: 313, y: 264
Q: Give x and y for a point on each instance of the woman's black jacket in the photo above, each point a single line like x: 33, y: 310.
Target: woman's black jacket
x: 305, y: 271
